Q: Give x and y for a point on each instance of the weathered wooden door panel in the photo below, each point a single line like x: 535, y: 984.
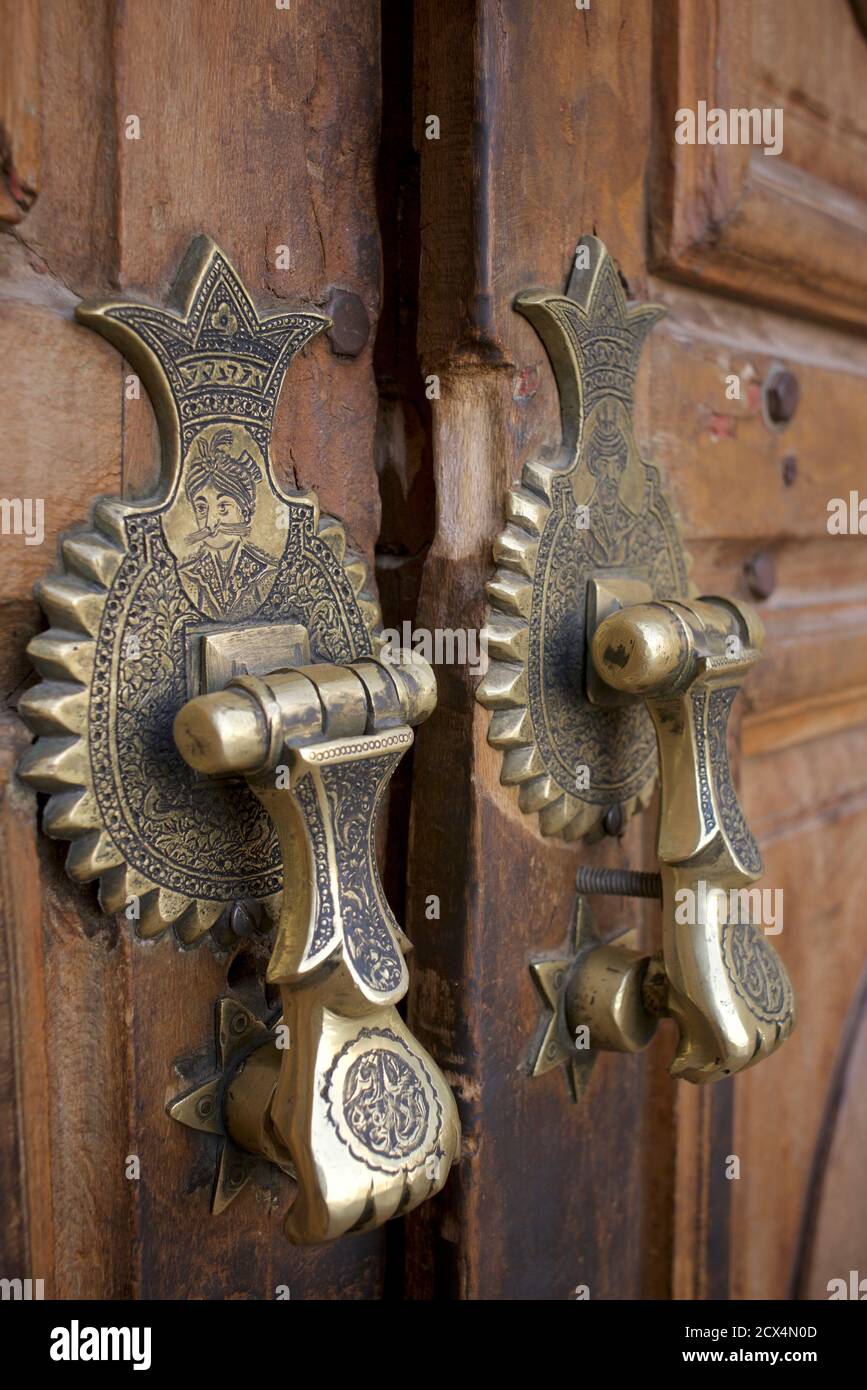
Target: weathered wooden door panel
x: 260, y: 129
x: 628, y: 1193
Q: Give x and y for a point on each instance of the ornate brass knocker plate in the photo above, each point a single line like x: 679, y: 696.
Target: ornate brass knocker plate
x: 596, y: 507
x: 606, y: 668
x: 222, y: 572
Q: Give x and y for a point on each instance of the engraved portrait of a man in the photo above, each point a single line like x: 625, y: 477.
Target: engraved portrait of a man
x: 226, y: 575
x: 609, y: 461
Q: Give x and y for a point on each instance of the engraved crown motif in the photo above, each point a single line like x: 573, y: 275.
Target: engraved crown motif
x: 221, y: 361
x: 605, y: 333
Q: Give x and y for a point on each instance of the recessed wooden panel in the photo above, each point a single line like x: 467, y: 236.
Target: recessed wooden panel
x: 787, y: 229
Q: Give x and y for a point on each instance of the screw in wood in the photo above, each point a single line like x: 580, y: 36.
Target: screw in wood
x: 620, y: 883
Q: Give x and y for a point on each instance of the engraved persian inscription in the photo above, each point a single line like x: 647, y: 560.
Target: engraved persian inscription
x: 382, y: 1102
x: 220, y: 545
x: 598, y: 508
x: 755, y: 971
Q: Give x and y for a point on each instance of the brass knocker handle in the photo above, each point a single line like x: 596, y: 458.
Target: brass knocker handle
x: 724, y: 983
x: 175, y: 612
x: 354, y: 1107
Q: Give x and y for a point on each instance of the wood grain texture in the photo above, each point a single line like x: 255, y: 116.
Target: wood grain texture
x: 261, y: 127
x: 701, y: 1243
x: 802, y: 735
x: 819, y: 862
x: 535, y: 103
x: 834, y: 1235
x: 549, y: 1196
x: 70, y: 235
x: 20, y: 144
x: 27, y: 1227
x: 62, y: 441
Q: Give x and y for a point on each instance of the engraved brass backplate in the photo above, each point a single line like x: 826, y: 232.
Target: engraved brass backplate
x: 149, y: 602
x: 597, y: 510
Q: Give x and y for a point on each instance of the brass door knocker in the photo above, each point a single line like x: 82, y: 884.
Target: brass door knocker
x: 606, y: 666
x: 217, y: 730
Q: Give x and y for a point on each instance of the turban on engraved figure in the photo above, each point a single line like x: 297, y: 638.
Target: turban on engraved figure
x: 235, y: 477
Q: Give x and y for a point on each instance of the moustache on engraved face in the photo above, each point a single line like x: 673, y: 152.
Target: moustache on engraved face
x: 228, y: 528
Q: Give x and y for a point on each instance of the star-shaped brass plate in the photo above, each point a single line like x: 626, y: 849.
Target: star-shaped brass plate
x: 553, y: 1044
x: 238, y: 1033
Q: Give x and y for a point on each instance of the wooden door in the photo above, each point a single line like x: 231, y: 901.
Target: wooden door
x: 411, y: 168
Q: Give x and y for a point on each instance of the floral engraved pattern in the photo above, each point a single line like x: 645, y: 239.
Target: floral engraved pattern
x: 323, y: 930
x: 618, y: 745
x: 593, y: 511
x: 354, y: 791
x: 215, y: 841
x: 738, y: 832
x: 219, y: 546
